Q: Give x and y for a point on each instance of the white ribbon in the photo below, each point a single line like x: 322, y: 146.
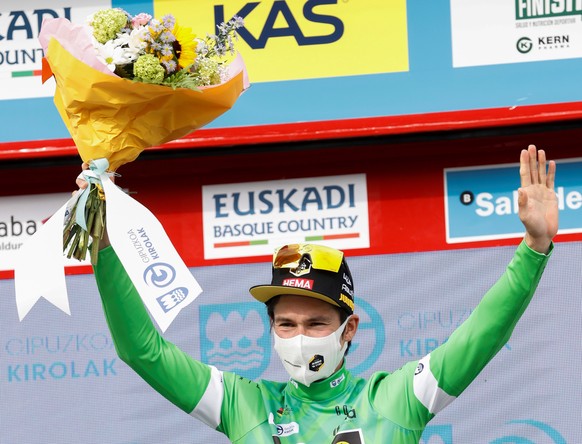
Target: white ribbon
x: 39, y: 267
x: 163, y: 281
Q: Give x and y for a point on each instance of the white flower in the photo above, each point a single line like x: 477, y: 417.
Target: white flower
x: 133, y: 44
x: 201, y: 47
x: 112, y: 54
x: 137, y: 41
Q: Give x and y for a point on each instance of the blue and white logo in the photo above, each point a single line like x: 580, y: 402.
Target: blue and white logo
x: 159, y: 275
x: 529, y: 431
x: 518, y: 431
x: 437, y: 434
x: 481, y: 202
x: 173, y: 298
x: 371, y: 334
x: 236, y: 338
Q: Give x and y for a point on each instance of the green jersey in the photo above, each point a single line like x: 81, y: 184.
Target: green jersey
x: 386, y: 408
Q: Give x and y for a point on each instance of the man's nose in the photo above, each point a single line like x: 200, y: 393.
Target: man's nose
x: 301, y: 330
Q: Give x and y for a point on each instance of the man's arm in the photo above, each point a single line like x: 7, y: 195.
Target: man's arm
x: 442, y: 375
x: 455, y: 364
x: 171, y: 372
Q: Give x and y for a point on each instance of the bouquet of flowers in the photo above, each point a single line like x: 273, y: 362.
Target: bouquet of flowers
x: 162, y: 52
x: 128, y: 83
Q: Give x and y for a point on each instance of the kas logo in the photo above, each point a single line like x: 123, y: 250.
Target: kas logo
x: 280, y: 10
x: 235, y: 338
x: 286, y: 40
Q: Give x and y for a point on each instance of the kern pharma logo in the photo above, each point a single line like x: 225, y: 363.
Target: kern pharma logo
x: 284, y: 40
x: 236, y: 338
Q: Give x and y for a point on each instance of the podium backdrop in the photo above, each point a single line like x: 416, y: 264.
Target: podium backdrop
x: 61, y: 381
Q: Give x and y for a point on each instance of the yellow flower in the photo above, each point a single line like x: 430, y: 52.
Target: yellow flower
x: 184, y: 46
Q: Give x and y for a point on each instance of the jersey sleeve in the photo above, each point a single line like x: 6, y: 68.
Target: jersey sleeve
x: 174, y: 374
x: 446, y: 372
x: 220, y: 400
x: 412, y: 395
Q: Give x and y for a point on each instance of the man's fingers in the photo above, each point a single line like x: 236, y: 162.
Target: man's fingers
x: 542, y: 166
x: 551, y: 177
x: 81, y: 182
x: 533, y: 167
x: 524, y: 169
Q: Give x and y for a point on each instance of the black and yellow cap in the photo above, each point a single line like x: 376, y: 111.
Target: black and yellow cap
x: 310, y: 270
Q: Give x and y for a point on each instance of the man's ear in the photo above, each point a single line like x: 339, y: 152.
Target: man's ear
x: 351, y: 327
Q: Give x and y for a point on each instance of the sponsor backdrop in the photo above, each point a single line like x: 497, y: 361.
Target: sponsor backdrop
x: 414, y: 229
x: 317, y: 60
x: 330, y: 60
x: 61, y: 381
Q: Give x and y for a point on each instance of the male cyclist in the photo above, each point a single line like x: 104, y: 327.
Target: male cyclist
x: 310, y: 302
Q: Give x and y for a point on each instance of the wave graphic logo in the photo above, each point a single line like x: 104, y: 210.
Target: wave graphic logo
x: 521, y: 431
x: 437, y: 434
x: 235, y: 338
x: 529, y: 431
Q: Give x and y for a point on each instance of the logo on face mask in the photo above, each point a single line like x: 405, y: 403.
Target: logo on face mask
x: 316, y: 363
x: 304, y: 357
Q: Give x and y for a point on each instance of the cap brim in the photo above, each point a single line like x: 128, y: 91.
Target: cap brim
x: 264, y: 293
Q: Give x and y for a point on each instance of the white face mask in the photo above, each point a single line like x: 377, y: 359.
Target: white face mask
x: 308, y: 359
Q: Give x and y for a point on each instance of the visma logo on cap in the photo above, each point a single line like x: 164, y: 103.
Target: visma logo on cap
x: 304, y: 267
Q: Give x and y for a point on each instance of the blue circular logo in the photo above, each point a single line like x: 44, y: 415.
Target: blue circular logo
x: 552, y: 433
x: 159, y: 275
x: 371, y: 333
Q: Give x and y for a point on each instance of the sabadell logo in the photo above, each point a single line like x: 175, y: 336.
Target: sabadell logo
x: 524, y: 45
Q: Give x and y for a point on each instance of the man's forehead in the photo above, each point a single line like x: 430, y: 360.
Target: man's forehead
x: 304, y: 306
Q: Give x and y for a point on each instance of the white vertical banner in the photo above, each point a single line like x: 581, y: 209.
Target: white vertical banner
x: 39, y: 267
x: 156, y: 269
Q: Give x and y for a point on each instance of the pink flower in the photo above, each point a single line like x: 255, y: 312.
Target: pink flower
x: 141, y: 19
